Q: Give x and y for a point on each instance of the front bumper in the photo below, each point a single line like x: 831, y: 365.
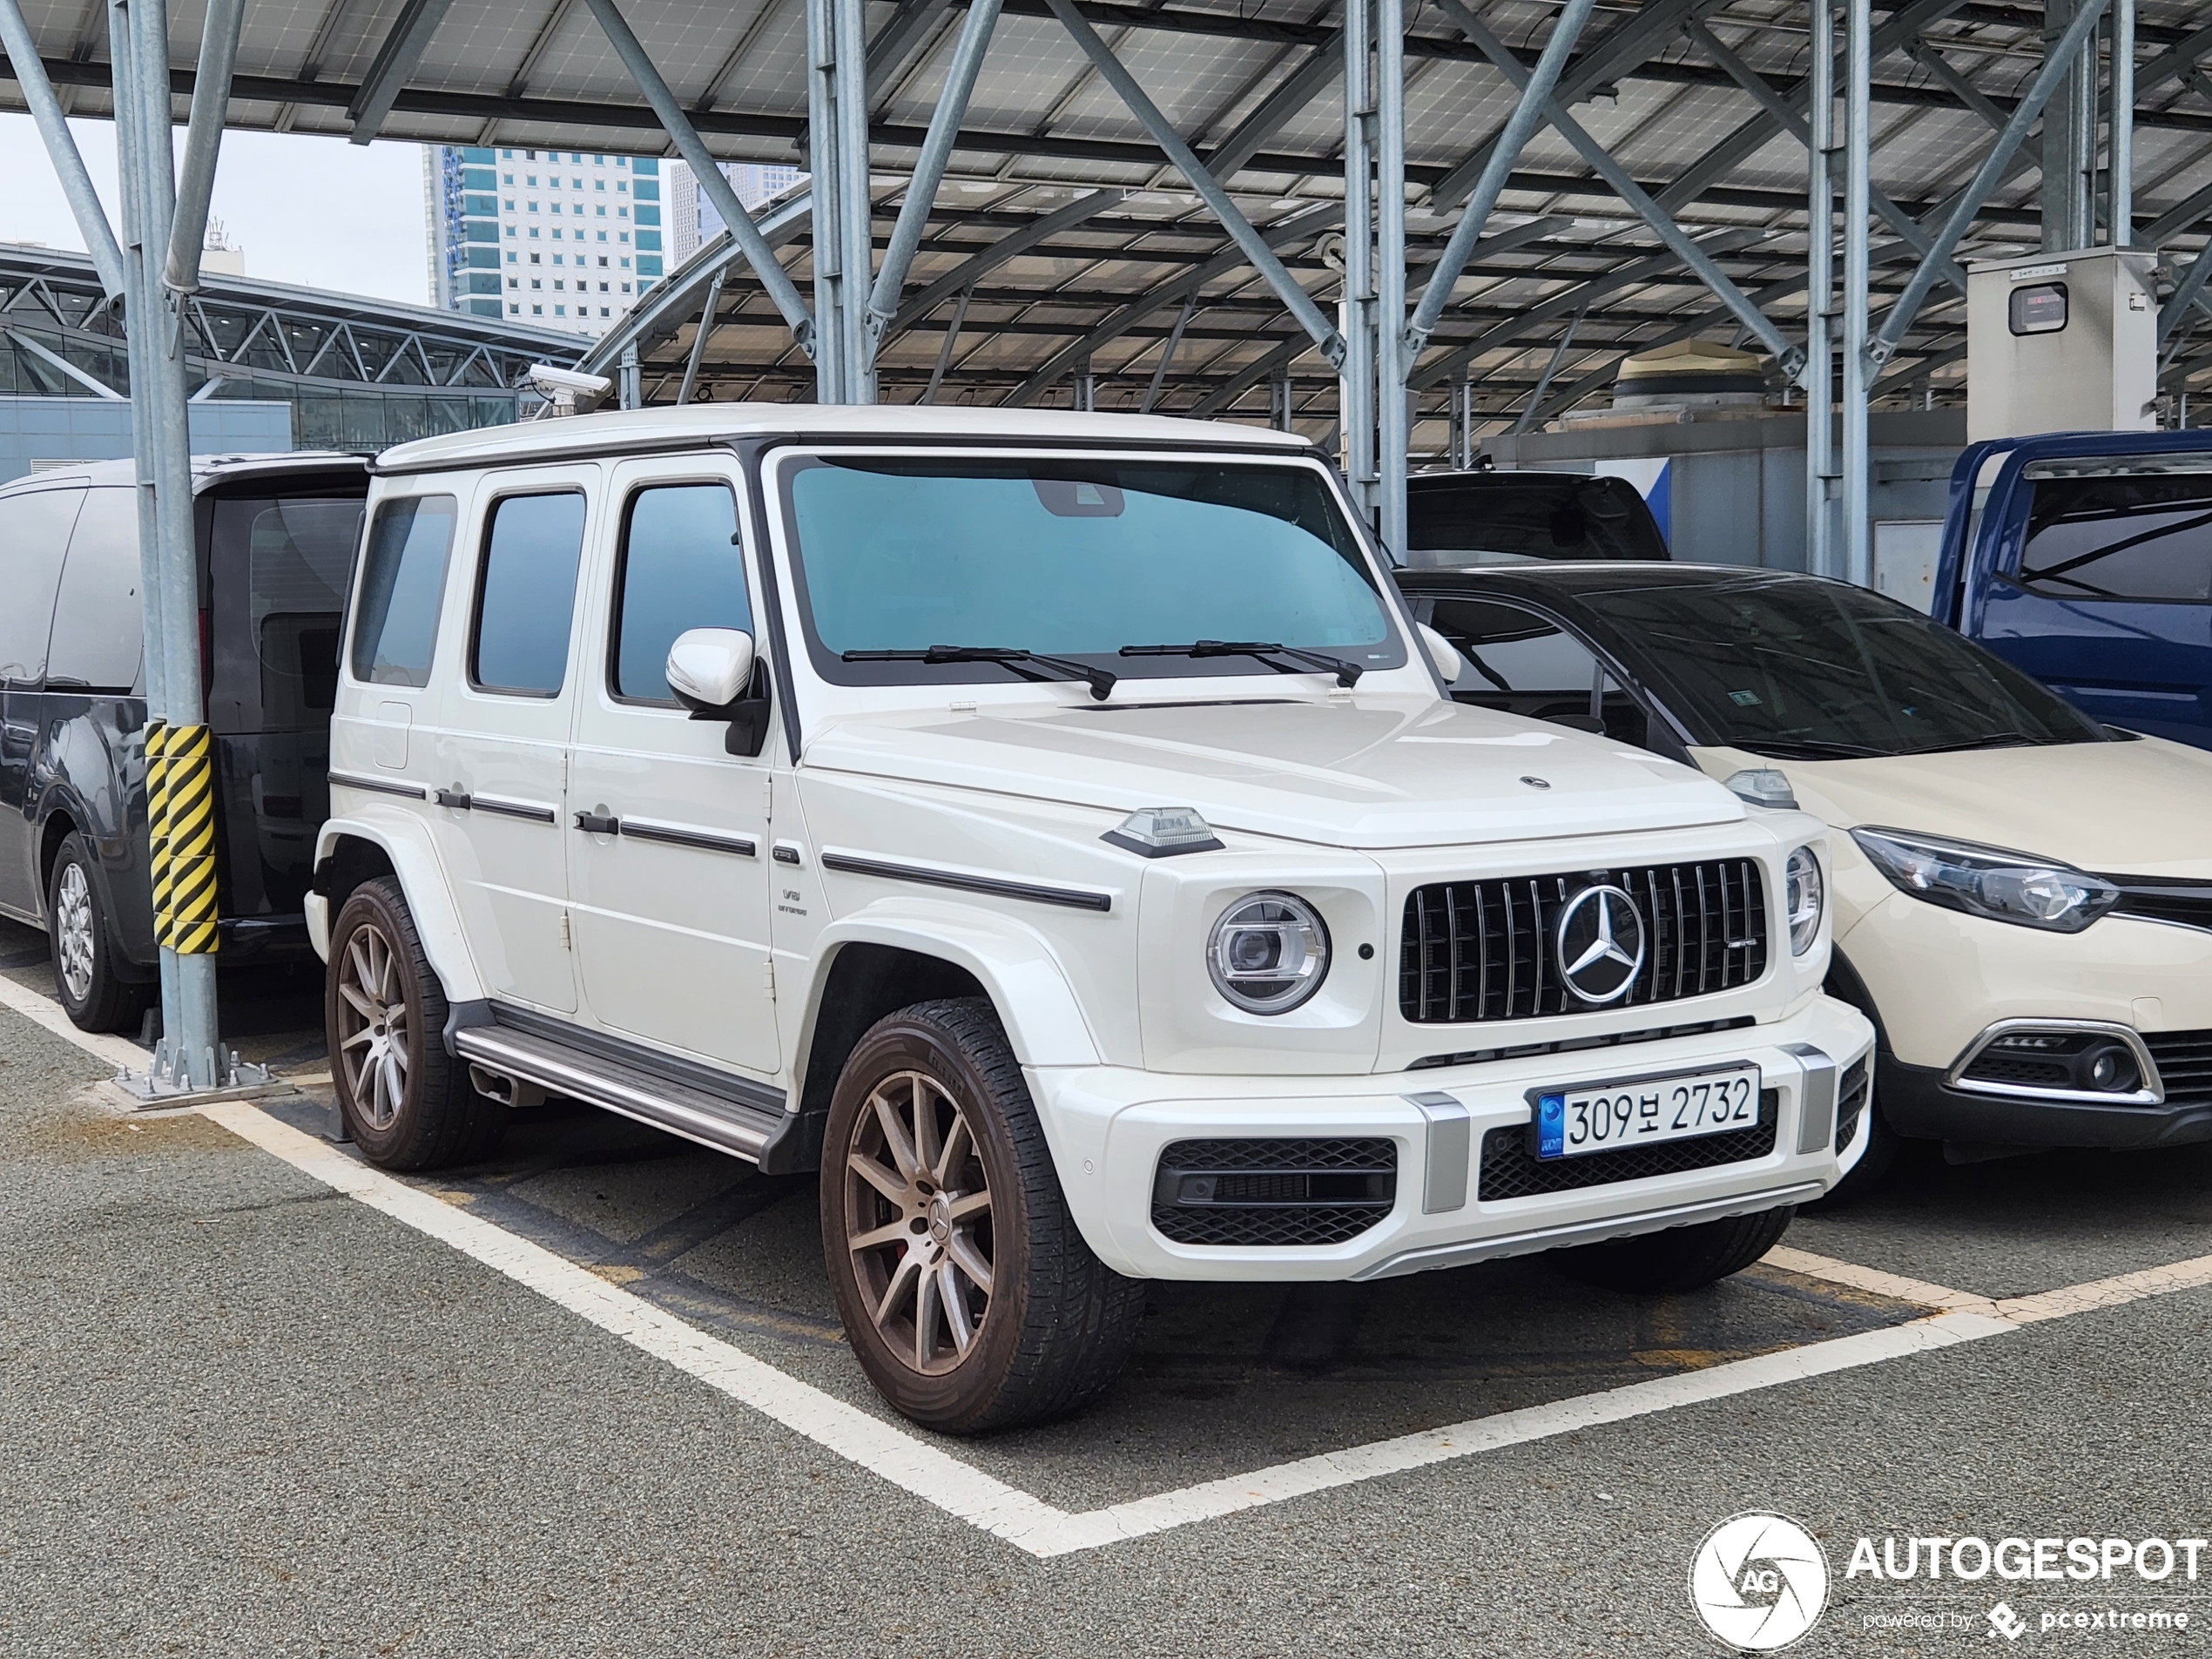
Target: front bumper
x: 1916, y: 1102
x: 1109, y: 1126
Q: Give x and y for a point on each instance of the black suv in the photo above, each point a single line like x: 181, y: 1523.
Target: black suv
x: 277, y: 535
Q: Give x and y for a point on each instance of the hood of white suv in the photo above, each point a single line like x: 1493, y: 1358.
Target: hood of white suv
x: 1364, y: 771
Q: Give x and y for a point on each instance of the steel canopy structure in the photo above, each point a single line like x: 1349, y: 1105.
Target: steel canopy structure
x: 1389, y: 225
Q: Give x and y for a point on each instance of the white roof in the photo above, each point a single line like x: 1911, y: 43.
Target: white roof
x: 710, y: 422
x: 205, y: 469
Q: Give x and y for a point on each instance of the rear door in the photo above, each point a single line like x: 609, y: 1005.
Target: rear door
x: 668, y: 844
x: 501, y: 757
x: 34, y: 535
x: 2103, y: 590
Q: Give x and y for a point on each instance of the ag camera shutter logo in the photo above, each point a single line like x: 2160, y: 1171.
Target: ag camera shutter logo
x: 1759, y: 1582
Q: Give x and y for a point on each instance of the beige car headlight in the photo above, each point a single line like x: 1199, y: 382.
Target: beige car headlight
x: 2017, y: 887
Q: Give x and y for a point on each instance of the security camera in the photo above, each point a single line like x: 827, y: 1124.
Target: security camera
x: 565, y: 390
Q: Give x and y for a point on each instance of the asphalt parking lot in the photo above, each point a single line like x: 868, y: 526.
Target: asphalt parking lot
x: 590, y: 1396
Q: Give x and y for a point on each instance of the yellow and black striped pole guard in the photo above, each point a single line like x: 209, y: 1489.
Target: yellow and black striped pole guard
x: 188, y: 827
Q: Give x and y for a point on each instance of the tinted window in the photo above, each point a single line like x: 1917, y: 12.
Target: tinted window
x: 403, y: 578
x: 1511, y: 649
x: 99, y: 626
x: 681, y: 567
x: 527, y: 594
x: 1077, y: 557
x: 296, y: 555
x: 34, y: 535
x: 1483, y: 517
x: 2146, y: 535
x: 1816, y: 670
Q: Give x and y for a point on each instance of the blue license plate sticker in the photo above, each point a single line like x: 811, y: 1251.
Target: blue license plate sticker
x: 1551, y: 1126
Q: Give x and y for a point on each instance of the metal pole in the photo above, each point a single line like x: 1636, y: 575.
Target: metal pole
x: 1463, y: 401
x: 1820, y: 299
x: 2123, y: 123
x: 61, y: 148
x: 1857, y: 563
x: 138, y: 344
x: 193, y: 1046
x: 1356, y: 395
x: 952, y: 341
x: 203, y: 141
x: 855, y: 206
x: 698, y: 340
x: 1167, y: 355
x: 1393, y: 361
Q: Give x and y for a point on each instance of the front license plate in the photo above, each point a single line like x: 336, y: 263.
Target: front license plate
x: 1643, y: 1112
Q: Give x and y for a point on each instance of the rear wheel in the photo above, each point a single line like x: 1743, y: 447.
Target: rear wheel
x: 1682, y: 1258
x: 971, y: 1300
x: 408, y: 1103
x: 93, y: 995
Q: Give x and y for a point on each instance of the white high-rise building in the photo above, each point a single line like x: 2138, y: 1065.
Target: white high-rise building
x: 558, y: 238
x: 691, y: 217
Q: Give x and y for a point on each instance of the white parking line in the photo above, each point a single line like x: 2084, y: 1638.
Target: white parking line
x: 926, y: 1469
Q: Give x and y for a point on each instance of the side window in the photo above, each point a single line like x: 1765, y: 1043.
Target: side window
x: 34, y: 535
x: 98, y: 630
x: 2124, y: 536
x: 403, y: 578
x: 526, y: 594
x: 681, y: 567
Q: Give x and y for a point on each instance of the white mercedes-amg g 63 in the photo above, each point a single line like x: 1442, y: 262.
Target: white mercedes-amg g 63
x: 1052, y: 829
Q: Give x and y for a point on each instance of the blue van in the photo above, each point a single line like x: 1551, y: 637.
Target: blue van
x: 2085, y: 559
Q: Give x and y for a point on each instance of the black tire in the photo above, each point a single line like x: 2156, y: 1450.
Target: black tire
x: 1682, y: 1258
x: 407, y: 1102
x: 94, y: 996
x: 1054, y: 1327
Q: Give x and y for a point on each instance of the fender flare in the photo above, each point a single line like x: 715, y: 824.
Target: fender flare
x: 1015, y: 963
x: 405, y: 841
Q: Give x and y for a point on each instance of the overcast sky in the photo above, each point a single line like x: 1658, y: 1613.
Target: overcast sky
x: 310, y: 210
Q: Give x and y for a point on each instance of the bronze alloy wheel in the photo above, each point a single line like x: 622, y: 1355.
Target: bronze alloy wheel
x: 407, y: 1102
x: 918, y: 1220
x: 373, y: 1022
x: 970, y: 1298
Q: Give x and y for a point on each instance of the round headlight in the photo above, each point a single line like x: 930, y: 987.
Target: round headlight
x: 1269, y: 952
x: 1807, y: 896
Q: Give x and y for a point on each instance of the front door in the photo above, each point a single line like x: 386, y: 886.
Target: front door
x: 34, y: 534
x: 668, y: 836
x: 501, y: 761
x: 2110, y: 602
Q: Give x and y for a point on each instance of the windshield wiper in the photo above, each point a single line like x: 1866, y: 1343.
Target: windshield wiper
x: 1348, y: 673
x: 1102, y: 681
x: 1809, y: 749
x: 1995, y: 740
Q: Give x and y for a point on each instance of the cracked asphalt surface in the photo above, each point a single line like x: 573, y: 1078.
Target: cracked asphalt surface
x: 242, y: 1415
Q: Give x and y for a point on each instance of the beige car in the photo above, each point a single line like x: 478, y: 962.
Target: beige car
x: 2024, y: 899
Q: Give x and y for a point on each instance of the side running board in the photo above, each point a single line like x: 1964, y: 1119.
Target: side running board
x: 713, y: 1119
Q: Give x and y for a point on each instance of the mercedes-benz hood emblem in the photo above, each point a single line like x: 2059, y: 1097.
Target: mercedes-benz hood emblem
x: 1599, y: 943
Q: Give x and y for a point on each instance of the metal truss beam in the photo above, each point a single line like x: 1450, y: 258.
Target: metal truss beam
x: 1791, y: 357
x: 393, y: 67
x: 1315, y: 73
x: 1014, y: 244
x: 1262, y: 257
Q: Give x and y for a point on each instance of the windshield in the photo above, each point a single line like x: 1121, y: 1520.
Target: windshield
x: 1077, y: 559
x: 1504, y: 518
x: 2120, y: 533
x: 1809, y: 670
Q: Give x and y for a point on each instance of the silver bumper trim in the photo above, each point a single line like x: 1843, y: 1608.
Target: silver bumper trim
x: 1591, y: 1232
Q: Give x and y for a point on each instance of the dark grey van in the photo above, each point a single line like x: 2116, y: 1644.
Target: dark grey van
x: 277, y: 535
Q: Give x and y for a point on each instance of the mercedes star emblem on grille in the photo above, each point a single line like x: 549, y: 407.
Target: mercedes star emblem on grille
x: 1599, y: 942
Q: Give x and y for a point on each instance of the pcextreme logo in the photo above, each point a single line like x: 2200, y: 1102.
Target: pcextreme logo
x: 1759, y: 1582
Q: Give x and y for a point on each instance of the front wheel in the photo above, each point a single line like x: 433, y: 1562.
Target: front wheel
x: 1682, y: 1258
x: 971, y: 1300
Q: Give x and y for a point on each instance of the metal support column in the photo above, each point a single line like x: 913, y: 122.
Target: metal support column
x: 2123, y: 123
x: 2069, y: 155
x: 1859, y: 74
x: 1820, y: 299
x: 1392, y: 361
x: 1355, y: 377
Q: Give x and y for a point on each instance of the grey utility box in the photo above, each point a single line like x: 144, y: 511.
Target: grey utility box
x: 2062, y: 343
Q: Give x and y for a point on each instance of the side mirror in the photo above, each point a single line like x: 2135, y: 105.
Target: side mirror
x: 710, y: 668
x: 1442, y: 652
